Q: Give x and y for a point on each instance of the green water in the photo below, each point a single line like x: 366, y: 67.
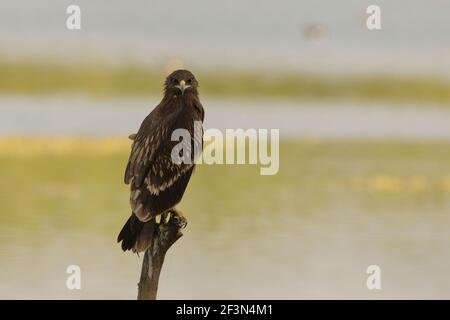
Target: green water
x: 334, y: 208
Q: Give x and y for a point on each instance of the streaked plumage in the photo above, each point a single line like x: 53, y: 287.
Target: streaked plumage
x: 157, y: 184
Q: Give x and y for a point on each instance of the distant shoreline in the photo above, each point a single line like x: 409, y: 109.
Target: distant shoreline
x: 46, y: 78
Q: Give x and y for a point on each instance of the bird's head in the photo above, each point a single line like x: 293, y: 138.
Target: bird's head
x: 181, y: 82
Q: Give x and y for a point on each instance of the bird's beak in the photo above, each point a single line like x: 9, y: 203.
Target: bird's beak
x: 182, y: 86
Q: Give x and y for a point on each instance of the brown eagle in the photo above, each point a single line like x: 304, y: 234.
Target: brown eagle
x: 157, y: 182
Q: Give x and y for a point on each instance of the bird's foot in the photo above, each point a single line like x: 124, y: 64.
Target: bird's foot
x: 164, y: 218
x: 169, y: 228
x: 172, y: 216
x: 178, y: 219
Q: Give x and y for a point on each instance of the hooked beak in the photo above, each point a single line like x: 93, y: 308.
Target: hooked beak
x: 182, y: 86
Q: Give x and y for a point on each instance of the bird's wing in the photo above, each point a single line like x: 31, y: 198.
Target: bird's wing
x: 153, y: 131
x: 164, y: 173
x: 198, y: 105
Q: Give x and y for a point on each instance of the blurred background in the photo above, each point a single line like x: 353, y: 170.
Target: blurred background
x: 364, y: 120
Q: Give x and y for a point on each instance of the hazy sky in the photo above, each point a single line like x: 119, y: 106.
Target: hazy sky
x: 414, y: 35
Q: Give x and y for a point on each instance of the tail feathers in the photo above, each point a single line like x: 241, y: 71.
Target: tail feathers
x: 145, y: 237
x: 130, y: 233
x: 136, y: 235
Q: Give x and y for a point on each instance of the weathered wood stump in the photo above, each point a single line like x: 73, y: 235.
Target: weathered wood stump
x: 165, y: 234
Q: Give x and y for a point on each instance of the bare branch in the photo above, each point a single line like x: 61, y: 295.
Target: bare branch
x: 165, y: 235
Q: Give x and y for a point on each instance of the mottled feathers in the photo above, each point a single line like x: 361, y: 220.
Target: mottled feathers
x: 157, y: 184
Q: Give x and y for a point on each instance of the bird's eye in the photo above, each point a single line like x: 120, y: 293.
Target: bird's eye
x: 174, y: 81
x: 189, y: 81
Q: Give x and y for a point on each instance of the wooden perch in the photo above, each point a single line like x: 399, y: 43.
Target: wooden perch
x: 165, y: 234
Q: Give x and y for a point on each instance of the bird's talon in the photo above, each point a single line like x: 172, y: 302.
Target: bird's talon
x: 179, y: 221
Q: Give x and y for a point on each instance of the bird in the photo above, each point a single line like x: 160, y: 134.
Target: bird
x: 157, y: 182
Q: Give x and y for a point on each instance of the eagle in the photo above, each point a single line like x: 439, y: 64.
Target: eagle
x: 157, y: 180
